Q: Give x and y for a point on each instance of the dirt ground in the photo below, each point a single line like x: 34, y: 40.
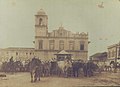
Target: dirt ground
x: 23, y: 80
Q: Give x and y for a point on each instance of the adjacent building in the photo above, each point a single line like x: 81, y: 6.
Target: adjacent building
x: 114, y: 52
x: 18, y: 54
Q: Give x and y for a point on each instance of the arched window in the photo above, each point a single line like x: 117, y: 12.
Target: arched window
x: 61, y: 45
x: 82, y: 45
x: 40, y: 21
x: 51, y: 44
x: 16, y: 53
x: 71, y: 45
x: 109, y: 54
x: 113, y: 53
x: 40, y: 42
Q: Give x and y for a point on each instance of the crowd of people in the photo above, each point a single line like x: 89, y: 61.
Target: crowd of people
x: 12, y: 66
x: 64, y: 68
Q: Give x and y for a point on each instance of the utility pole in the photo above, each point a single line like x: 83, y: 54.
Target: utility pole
x: 115, y: 69
x: 117, y: 54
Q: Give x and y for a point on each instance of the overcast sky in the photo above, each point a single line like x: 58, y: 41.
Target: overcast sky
x: 17, y: 21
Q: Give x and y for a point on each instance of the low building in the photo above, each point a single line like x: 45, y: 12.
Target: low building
x: 99, y: 58
x: 18, y: 54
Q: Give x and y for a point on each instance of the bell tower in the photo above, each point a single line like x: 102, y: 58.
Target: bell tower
x: 41, y: 23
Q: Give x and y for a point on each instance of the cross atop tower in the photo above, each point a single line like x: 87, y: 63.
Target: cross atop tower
x: 61, y: 25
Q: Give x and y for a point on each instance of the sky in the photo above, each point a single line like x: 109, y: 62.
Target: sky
x: 17, y: 21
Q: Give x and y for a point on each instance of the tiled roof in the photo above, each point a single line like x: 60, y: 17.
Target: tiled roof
x: 63, y: 52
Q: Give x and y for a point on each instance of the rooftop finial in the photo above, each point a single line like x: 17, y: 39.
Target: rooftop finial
x: 61, y: 25
x: 41, y: 12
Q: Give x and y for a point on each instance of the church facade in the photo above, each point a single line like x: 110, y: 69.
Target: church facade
x: 49, y: 43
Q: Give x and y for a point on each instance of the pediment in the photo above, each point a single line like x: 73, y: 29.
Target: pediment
x: 61, y: 32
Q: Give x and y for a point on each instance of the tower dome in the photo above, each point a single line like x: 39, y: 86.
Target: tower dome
x: 41, y: 12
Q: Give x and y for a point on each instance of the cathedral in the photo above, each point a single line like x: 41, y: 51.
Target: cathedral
x: 48, y: 44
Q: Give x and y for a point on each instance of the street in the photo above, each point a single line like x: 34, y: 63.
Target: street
x: 23, y: 80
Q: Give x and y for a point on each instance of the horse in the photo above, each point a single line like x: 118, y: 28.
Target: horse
x: 107, y: 67
x: 115, y: 65
x: 64, y: 67
x: 118, y: 66
x: 34, y: 69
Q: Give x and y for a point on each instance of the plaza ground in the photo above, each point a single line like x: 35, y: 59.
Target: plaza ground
x: 23, y: 80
